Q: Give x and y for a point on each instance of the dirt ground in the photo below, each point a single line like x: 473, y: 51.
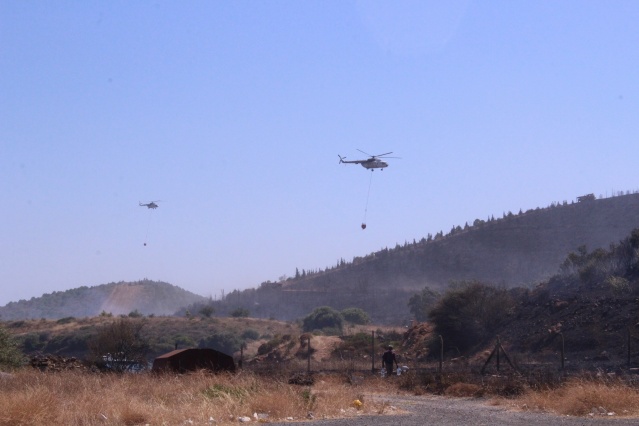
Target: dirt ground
x: 406, y: 410
x: 324, y: 346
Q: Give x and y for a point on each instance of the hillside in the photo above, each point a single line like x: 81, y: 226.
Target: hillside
x: 591, y: 303
x: 70, y: 336
x: 517, y: 250
x: 520, y: 249
x: 588, y: 310
x: 146, y: 297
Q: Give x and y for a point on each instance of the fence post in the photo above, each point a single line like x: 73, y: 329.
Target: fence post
x: 628, y: 347
x: 562, y: 350
x: 373, y: 352
x: 441, y: 352
x: 498, y: 348
x: 309, y: 355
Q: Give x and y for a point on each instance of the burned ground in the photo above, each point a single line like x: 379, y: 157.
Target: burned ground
x: 593, y: 323
x: 589, y: 310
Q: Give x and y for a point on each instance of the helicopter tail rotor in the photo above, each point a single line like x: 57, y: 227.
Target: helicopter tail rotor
x: 341, y: 159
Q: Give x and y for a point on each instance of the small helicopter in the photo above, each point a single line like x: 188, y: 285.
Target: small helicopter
x: 150, y: 205
x: 373, y: 162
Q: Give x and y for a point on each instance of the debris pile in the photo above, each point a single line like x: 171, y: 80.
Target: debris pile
x: 48, y: 362
x: 301, y: 379
x: 416, y: 341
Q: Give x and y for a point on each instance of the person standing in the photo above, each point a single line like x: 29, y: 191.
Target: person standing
x: 389, y: 359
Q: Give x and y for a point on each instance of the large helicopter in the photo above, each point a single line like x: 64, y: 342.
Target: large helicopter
x: 373, y: 162
x: 151, y: 205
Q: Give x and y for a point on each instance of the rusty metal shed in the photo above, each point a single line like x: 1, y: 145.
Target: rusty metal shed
x: 183, y: 360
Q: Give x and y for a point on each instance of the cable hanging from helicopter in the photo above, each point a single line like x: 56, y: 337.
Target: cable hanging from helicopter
x: 368, y: 195
x: 150, y: 206
x: 371, y: 163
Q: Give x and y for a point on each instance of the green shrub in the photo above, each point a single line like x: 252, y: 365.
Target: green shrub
x: 122, y: 340
x: 32, y: 342
x: 321, y: 318
x: 267, y: 347
x: 618, y: 285
x: 329, y: 331
x: 227, y: 342
x: 224, y: 391
x: 184, y: 341
x: 10, y: 356
x: 240, y: 313
x: 355, y: 316
x: 207, y: 311
x: 250, y: 334
x: 360, y: 342
x: 469, y: 313
x: 66, y: 344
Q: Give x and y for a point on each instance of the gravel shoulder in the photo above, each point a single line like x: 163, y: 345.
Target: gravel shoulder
x: 442, y: 411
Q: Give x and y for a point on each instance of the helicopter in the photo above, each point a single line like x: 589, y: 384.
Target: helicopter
x: 373, y: 162
x: 150, y: 205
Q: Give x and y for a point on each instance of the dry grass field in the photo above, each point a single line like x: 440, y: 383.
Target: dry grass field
x: 262, y: 391
x: 31, y: 397
x: 585, y: 397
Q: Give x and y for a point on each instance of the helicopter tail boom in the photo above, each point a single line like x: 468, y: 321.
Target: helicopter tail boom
x: 345, y: 161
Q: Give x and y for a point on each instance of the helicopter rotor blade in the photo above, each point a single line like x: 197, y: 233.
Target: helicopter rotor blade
x: 381, y: 155
x: 375, y: 156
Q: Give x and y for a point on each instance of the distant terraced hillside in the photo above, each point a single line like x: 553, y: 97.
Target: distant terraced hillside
x: 516, y: 250
x: 146, y: 297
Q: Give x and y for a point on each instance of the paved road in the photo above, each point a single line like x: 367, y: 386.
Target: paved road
x: 440, y: 411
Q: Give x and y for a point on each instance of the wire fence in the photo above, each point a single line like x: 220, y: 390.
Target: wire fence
x: 551, y: 365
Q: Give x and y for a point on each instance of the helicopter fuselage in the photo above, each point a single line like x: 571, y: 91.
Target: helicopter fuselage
x: 374, y: 164
x: 371, y: 163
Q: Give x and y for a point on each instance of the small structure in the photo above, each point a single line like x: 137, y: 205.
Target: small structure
x: 183, y: 360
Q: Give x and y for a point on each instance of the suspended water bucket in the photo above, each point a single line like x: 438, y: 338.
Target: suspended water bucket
x: 363, y: 226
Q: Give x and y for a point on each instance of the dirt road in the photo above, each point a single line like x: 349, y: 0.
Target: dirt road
x: 440, y: 411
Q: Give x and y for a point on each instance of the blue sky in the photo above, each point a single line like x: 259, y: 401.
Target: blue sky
x: 233, y: 114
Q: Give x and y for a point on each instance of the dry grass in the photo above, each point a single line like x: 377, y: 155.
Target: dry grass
x: 71, y: 398
x: 584, y: 397
x: 31, y: 397
x: 464, y: 390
